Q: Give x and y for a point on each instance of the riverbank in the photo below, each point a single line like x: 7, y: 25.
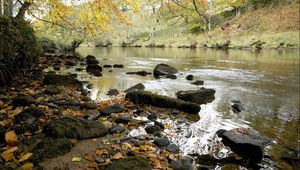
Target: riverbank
x: 44, y: 115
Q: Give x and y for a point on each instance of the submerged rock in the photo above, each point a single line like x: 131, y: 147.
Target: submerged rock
x: 201, y: 96
x: 237, y: 106
x: 245, y: 143
x: 164, y: 70
x: 118, y: 66
x: 145, y: 97
x: 198, y: 82
x: 70, y: 127
x: 130, y: 163
x: 140, y: 73
x: 190, y: 77
x: 136, y: 87
x: 62, y: 80
x: 116, y: 108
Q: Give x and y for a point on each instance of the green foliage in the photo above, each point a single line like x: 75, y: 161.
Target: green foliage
x: 195, y: 28
x: 18, y: 46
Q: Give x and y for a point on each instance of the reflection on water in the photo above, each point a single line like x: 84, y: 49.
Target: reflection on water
x: 266, y: 82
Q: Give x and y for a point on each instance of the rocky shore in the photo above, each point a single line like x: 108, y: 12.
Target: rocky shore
x: 47, y: 121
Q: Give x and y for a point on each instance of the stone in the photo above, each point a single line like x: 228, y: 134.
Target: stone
x: 161, y: 125
x: 71, y: 127
x: 107, y: 124
x: 237, y: 106
x: 181, y: 164
x: 198, y: 82
x: 52, y: 90
x: 201, y: 96
x: 116, y: 108
x: 56, y: 67
x: 25, y: 127
x: 113, y: 92
x: 130, y: 163
x: 124, y: 119
x: 153, y: 129
x: 171, y: 76
x: 136, y: 87
x: 190, y: 77
x: 29, y: 115
x: 62, y: 80
x: 172, y: 148
x: 117, y: 129
x: 107, y: 66
x: 144, y: 97
x: 140, y: 73
x: 46, y: 148
x: 94, y: 70
x: 89, y: 106
x: 161, y: 142
x: 152, y: 116
x: 118, y: 66
x: 245, y: 143
x: 163, y: 70
x: 21, y: 101
x: 90, y: 60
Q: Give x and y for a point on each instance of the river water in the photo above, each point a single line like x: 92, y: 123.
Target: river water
x: 266, y: 82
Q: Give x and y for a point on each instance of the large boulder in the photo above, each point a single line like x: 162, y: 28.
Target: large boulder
x: 245, y: 143
x: 145, y: 97
x: 45, y: 148
x: 91, y: 60
x: 164, y: 70
x: 201, y: 96
x: 71, y: 127
x: 61, y: 80
x: 130, y: 163
x: 94, y: 69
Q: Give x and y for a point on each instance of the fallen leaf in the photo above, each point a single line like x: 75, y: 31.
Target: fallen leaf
x: 76, y: 159
x: 8, y: 156
x: 27, y: 166
x: 73, y: 141
x: 101, y: 152
x: 12, y: 149
x: 126, y: 146
x: 93, y: 165
x: 11, y: 138
x: 118, y: 156
x: 24, y: 157
x: 89, y: 157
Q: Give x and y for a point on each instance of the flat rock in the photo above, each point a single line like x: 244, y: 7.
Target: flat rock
x: 164, y: 70
x: 71, y: 127
x: 201, y: 96
x: 61, y: 80
x: 116, y: 108
x: 144, y: 97
x: 245, y: 143
x: 113, y: 92
x: 140, y: 73
x: 130, y: 163
x: 123, y: 119
x: 172, y: 148
x: 117, y: 129
x: 181, y: 164
x: 52, y: 90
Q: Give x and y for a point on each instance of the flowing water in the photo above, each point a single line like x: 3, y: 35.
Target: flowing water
x: 266, y: 82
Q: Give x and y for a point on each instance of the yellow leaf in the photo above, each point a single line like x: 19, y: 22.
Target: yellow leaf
x: 76, y: 159
x: 11, y: 138
x: 118, y: 156
x: 27, y: 166
x: 8, y: 156
x: 25, y: 157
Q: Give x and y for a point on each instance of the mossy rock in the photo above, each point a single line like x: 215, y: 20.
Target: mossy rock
x: 145, y: 97
x: 62, y: 80
x: 131, y: 163
x: 71, y: 127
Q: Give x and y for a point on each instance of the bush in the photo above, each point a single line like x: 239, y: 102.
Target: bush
x: 195, y: 28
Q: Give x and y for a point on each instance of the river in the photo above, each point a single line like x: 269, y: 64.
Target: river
x: 266, y: 82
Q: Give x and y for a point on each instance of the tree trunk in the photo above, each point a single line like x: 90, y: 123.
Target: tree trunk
x: 1, y: 13
x: 25, y: 6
